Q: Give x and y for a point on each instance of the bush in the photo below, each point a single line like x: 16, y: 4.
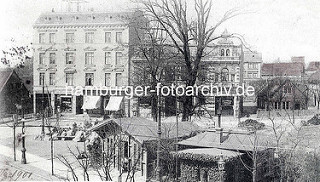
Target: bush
x: 315, y: 120
x: 251, y: 124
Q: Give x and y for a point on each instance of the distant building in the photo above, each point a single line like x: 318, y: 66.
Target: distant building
x: 283, y: 94
x: 83, y: 51
x: 313, y: 67
x: 298, y: 59
x: 14, y: 96
x: 293, y: 70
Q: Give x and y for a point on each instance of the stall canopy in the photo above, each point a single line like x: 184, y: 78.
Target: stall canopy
x: 91, y: 102
x: 114, y: 103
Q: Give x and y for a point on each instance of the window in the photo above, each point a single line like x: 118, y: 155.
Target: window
x: 108, y: 37
x: 41, y: 38
x: 118, y: 79
x: 224, y: 74
x: 252, y: 65
x: 89, y: 37
x: 276, y: 105
x: 216, y: 79
x: 69, y: 58
x: 222, y: 52
x: 227, y: 52
x: 107, y: 58
x: 232, y: 77
x: 89, y: 56
x: 41, y: 79
x: 89, y: 79
x: 255, y: 75
x: 287, y: 105
x: 118, y: 59
x: 69, y: 79
x: 52, y: 58
x: 52, y: 37
x: 287, y: 89
x: 69, y: 37
x: 107, y: 79
x: 51, y: 78
x: 41, y: 58
x: 119, y: 37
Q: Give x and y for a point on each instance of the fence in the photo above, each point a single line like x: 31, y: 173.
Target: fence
x: 282, y: 113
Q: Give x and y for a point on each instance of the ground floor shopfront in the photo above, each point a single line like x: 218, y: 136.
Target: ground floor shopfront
x: 56, y: 100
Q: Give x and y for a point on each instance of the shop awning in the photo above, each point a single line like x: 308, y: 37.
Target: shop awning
x: 91, y: 102
x: 114, y: 103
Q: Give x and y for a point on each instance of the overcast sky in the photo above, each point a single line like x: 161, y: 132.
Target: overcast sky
x: 276, y: 28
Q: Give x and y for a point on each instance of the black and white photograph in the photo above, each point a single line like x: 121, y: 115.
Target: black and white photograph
x: 160, y: 90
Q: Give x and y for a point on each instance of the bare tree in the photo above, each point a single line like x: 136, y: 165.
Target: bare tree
x: 189, y: 36
x: 152, y: 56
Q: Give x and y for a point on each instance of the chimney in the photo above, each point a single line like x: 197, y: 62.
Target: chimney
x: 220, y: 132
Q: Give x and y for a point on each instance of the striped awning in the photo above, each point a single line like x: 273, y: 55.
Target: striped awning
x: 114, y: 103
x: 91, y: 102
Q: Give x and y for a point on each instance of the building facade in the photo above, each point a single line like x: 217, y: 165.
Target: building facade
x: 222, y: 67
x: 78, y: 53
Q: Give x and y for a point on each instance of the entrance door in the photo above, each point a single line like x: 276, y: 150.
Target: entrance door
x: 226, y: 103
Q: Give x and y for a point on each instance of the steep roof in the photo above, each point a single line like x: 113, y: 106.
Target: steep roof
x: 313, y: 66
x: 144, y: 129
x: 5, y: 74
x: 79, y: 18
x: 282, y: 69
x: 315, y: 78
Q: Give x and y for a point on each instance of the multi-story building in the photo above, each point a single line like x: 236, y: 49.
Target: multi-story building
x: 251, y: 73
x: 226, y: 66
x: 81, y: 52
x: 222, y: 67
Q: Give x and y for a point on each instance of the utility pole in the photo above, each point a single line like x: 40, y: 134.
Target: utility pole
x: 15, y: 122
x: 159, y: 140
x: 177, y: 122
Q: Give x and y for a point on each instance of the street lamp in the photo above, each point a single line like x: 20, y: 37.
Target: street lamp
x: 221, y: 164
x: 23, y: 150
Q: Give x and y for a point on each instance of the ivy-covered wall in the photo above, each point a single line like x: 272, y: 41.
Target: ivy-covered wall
x: 194, y: 170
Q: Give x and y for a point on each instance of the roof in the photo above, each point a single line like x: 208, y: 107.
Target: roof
x: 206, y: 154
x: 315, y: 78
x: 5, y: 74
x: 76, y: 18
x: 282, y: 69
x: 313, y: 66
x: 252, y: 57
x: 144, y: 129
x: 237, y: 141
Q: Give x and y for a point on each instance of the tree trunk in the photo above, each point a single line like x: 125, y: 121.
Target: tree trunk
x: 187, y: 108
x: 154, y: 100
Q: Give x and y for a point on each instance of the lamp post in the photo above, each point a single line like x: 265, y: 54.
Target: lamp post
x: 23, y: 150
x: 219, y: 112
x: 158, y: 170
x: 221, y: 164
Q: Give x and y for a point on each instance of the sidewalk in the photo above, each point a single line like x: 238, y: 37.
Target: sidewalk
x: 39, y: 167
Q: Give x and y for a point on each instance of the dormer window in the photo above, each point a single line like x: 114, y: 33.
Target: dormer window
x: 227, y: 52
x: 222, y: 52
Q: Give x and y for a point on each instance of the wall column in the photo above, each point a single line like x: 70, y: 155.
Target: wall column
x: 34, y: 103
x: 74, y: 104
x: 53, y: 102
